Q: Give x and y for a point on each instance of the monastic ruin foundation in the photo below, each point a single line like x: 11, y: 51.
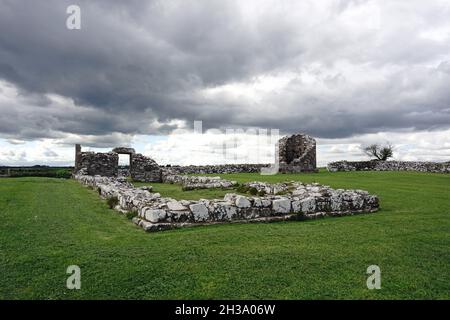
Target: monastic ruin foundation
x: 282, y: 201
x: 298, y: 202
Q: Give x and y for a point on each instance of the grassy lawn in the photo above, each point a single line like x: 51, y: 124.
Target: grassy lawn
x: 174, y: 191
x: 48, y: 224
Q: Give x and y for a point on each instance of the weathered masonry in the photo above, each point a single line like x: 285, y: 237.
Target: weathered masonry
x: 297, y: 153
x: 142, y: 168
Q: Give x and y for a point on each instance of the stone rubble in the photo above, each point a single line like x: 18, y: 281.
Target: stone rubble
x: 303, y: 201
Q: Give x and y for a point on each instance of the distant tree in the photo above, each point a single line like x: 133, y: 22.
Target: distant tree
x: 379, y: 152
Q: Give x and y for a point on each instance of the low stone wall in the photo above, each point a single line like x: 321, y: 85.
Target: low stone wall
x: 198, y: 182
x: 216, y: 169
x: 435, y: 167
x: 156, y: 213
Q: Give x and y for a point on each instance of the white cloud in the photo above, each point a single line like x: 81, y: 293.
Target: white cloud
x: 408, y: 146
x: 210, y: 148
x: 214, y: 147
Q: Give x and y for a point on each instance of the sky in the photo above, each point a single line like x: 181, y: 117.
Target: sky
x: 143, y: 73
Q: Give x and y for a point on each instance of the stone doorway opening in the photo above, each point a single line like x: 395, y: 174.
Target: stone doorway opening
x: 124, y: 165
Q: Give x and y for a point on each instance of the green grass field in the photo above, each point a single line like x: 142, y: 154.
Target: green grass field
x: 48, y: 224
x: 175, y: 191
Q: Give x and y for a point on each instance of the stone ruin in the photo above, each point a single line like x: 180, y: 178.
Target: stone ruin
x: 142, y: 168
x: 275, y: 202
x: 297, y: 153
x: 298, y: 201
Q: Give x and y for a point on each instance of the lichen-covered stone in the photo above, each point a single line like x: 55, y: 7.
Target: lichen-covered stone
x: 281, y: 205
x: 155, y: 215
x: 242, y: 202
x: 308, y: 205
x: 199, y: 211
x: 175, y: 206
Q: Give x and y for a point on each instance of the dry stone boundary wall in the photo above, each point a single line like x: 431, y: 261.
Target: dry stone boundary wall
x: 435, y: 167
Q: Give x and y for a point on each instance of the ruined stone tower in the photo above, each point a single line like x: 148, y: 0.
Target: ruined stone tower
x: 297, y: 153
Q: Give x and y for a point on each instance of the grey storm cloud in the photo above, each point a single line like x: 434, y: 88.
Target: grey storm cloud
x: 136, y: 66
x: 50, y: 153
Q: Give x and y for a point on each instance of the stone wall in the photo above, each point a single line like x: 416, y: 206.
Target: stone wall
x: 77, y: 157
x: 215, y: 169
x: 144, y: 169
x: 124, y: 150
x: 437, y: 167
x: 103, y: 164
x: 304, y: 201
x: 198, y: 182
x: 297, y: 153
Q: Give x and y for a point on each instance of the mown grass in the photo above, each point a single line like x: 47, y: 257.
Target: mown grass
x: 175, y: 191
x: 48, y: 224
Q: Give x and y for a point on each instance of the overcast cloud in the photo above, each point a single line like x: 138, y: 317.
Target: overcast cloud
x: 346, y: 72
